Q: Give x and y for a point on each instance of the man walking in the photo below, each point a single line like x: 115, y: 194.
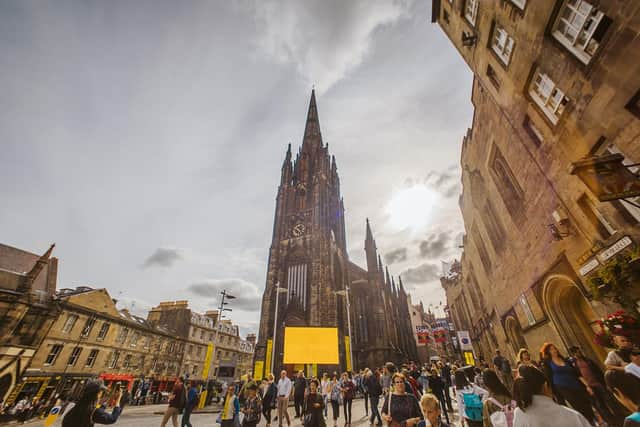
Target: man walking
x: 284, y: 390
x: 190, y: 404
x: 299, y: 386
x: 372, y: 383
x: 445, y: 372
x: 176, y: 403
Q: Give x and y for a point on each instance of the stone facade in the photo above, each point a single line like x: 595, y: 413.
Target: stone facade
x: 548, y: 92
x: 308, y: 256
x: 198, y: 331
x: 27, y: 285
x: 92, y: 338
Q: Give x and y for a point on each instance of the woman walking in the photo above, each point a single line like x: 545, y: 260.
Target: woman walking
x: 334, y: 395
x: 348, y: 389
x: 536, y: 407
x: 85, y: 413
x: 524, y: 359
x: 499, y: 398
x: 252, y: 408
x: 313, y: 407
x: 325, y: 389
x: 438, y: 386
x: 400, y: 408
x: 469, y: 397
x: 566, y: 382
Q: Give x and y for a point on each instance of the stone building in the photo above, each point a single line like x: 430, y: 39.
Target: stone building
x: 308, y: 257
x: 199, y: 332
x: 556, y: 87
x: 27, y: 285
x: 92, y: 338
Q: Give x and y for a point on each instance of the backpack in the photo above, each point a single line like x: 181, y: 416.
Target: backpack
x: 472, y: 406
x: 503, y: 417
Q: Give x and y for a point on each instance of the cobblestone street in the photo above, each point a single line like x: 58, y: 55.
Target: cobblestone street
x: 149, y: 416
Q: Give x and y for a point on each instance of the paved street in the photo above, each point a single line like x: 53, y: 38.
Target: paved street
x: 146, y: 417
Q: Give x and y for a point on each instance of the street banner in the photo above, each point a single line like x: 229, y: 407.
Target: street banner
x: 465, y: 341
x: 423, y: 338
x: 207, y: 362
x: 268, y: 361
x: 468, y: 358
x: 258, y: 370
x: 347, y: 351
x: 440, y: 335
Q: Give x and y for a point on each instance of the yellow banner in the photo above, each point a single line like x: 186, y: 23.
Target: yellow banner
x: 347, y: 351
x: 301, y: 346
x: 468, y: 357
x: 268, y: 361
x: 314, y: 369
x: 207, y: 362
x: 203, y: 399
x: 258, y: 370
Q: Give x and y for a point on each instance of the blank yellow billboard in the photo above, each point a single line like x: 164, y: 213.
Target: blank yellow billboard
x: 311, y: 345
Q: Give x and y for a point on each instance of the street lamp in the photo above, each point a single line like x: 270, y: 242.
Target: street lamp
x: 275, y: 325
x: 221, y: 311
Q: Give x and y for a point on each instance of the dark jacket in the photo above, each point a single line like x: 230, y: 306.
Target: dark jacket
x: 82, y: 415
x: 593, y: 366
x: 316, y: 419
x: 373, y: 385
x: 436, y: 385
x: 269, y: 394
x: 299, y: 386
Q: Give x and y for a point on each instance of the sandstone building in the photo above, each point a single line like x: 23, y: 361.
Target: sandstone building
x: 199, y: 331
x: 91, y: 338
x: 308, y: 257
x: 27, y: 285
x: 556, y: 87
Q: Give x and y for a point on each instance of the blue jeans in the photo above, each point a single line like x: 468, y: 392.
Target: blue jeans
x: 375, y: 413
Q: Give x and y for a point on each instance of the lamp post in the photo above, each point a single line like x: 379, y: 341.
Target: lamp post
x: 275, y: 325
x: 221, y: 310
x: 345, y: 293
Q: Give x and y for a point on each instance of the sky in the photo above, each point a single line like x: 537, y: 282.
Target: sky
x: 146, y: 138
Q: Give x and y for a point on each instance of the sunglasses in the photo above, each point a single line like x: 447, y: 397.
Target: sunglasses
x: 398, y: 382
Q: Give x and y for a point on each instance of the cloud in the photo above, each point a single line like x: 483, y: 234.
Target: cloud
x: 164, y: 257
x: 323, y: 39
x: 247, y: 294
x: 134, y: 305
x: 435, y: 246
x: 421, y: 274
x: 446, y: 182
x: 397, y: 255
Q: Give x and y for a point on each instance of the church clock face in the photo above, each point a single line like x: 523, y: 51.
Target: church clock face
x: 298, y: 229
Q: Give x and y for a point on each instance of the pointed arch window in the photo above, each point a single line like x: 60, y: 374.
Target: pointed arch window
x: 297, y: 284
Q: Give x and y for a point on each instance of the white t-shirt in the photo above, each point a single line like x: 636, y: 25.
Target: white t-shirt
x: 632, y: 369
x: 544, y: 412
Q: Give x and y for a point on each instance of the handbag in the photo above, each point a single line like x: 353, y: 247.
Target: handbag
x: 502, y: 417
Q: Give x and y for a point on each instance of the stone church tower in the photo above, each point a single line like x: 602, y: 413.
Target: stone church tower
x: 308, y: 257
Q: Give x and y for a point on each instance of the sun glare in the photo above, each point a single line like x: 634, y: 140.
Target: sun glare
x: 411, y: 208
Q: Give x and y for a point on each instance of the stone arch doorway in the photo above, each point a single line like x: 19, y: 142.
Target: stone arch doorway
x: 571, y: 315
x: 514, y: 333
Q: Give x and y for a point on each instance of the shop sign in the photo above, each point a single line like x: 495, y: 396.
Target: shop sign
x: 465, y: 340
x: 589, y: 267
x: 614, y: 249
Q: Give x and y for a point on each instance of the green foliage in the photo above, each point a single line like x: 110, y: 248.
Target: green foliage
x: 615, y: 278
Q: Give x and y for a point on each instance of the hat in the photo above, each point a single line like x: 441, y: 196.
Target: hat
x: 636, y: 351
x: 94, y: 386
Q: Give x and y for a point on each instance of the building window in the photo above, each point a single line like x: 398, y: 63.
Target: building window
x: 68, y: 325
x: 91, y: 359
x: 493, y: 77
x: 103, y: 331
x: 494, y: 227
x: 122, y: 336
x: 634, y: 104
x: 113, y: 363
x: 134, y: 339
x: 482, y: 249
x: 73, y: 358
x: 190, y: 349
x: 194, y: 370
x: 524, y: 304
x: 154, y: 364
x: 88, y: 327
x: 502, y: 44
x: 597, y: 219
x: 471, y: 11
x: 202, y: 335
x: 520, y: 3
x: 551, y: 100
x: 507, y: 184
x: 297, y: 284
x: 580, y: 27
x: 127, y: 362
x: 53, y: 354
x: 533, y: 131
